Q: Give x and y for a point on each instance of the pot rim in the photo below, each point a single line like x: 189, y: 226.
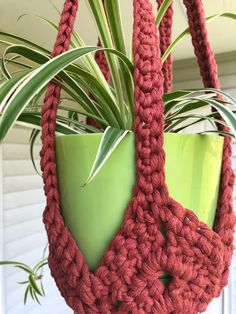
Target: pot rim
x: 189, y: 135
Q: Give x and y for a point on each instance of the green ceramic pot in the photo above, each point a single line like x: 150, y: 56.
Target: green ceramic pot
x: 94, y: 213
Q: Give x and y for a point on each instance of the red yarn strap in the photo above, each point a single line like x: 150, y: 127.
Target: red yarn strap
x: 202, y: 47
x: 127, y: 280
x: 225, y: 220
x: 66, y: 26
x: 101, y: 59
x: 51, y: 101
x: 165, y: 30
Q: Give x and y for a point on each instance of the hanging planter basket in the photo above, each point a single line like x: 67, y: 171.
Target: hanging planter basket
x: 112, y: 242
x: 94, y: 213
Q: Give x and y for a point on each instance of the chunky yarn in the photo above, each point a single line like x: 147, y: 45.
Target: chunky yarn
x: 196, y: 257
x: 101, y: 60
x: 165, y: 30
x: 225, y: 220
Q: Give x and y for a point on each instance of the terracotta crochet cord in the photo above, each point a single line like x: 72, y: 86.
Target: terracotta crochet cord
x: 127, y: 280
x: 101, y: 60
x: 165, y: 30
x: 165, y: 41
x: 225, y: 221
x: 225, y: 217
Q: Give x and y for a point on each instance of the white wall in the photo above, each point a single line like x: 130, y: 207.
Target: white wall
x: 24, y: 237
x: 1, y: 235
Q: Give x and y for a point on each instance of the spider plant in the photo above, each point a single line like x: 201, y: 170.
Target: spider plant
x: 86, y: 93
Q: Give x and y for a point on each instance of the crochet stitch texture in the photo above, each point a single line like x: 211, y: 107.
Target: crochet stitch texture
x: 196, y: 257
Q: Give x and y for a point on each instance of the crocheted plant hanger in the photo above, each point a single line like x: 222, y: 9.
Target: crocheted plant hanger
x: 196, y: 257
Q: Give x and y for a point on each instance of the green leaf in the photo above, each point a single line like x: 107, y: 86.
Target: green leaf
x: 99, y: 15
x: 55, y: 7
x: 23, y: 282
x: 16, y: 264
x: 218, y: 133
x: 226, y: 114
x: 95, y: 117
x: 110, y: 109
x: 83, y: 99
x: 185, y: 104
x: 24, y: 41
x: 38, y: 57
x: 186, y: 32
x: 33, y: 121
x: 231, y: 100
x: 27, y: 52
x: 117, y: 33
x: 80, y: 124
x: 76, y: 41
x: 5, y: 43
x: 40, y: 264
x: 12, y: 60
x: 37, y: 80
x: 171, y: 127
x: 187, y: 100
x: 36, y: 297
x: 8, y: 87
x: 162, y: 10
x: 34, y: 134
x: 175, y: 95
x: 31, y: 292
x: 26, y: 294
x: 100, y: 121
x: 62, y: 124
x: 24, y: 268
x: 34, y: 285
x: 88, y: 60
x: 197, y: 117
x: 100, y: 90
x: 42, y: 288
x: 115, y: 23
x: 105, y: 113
x: 110, y: 140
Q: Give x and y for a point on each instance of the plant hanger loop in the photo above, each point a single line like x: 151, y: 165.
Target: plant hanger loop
x: 225, y: 220
x: 196, y: 257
